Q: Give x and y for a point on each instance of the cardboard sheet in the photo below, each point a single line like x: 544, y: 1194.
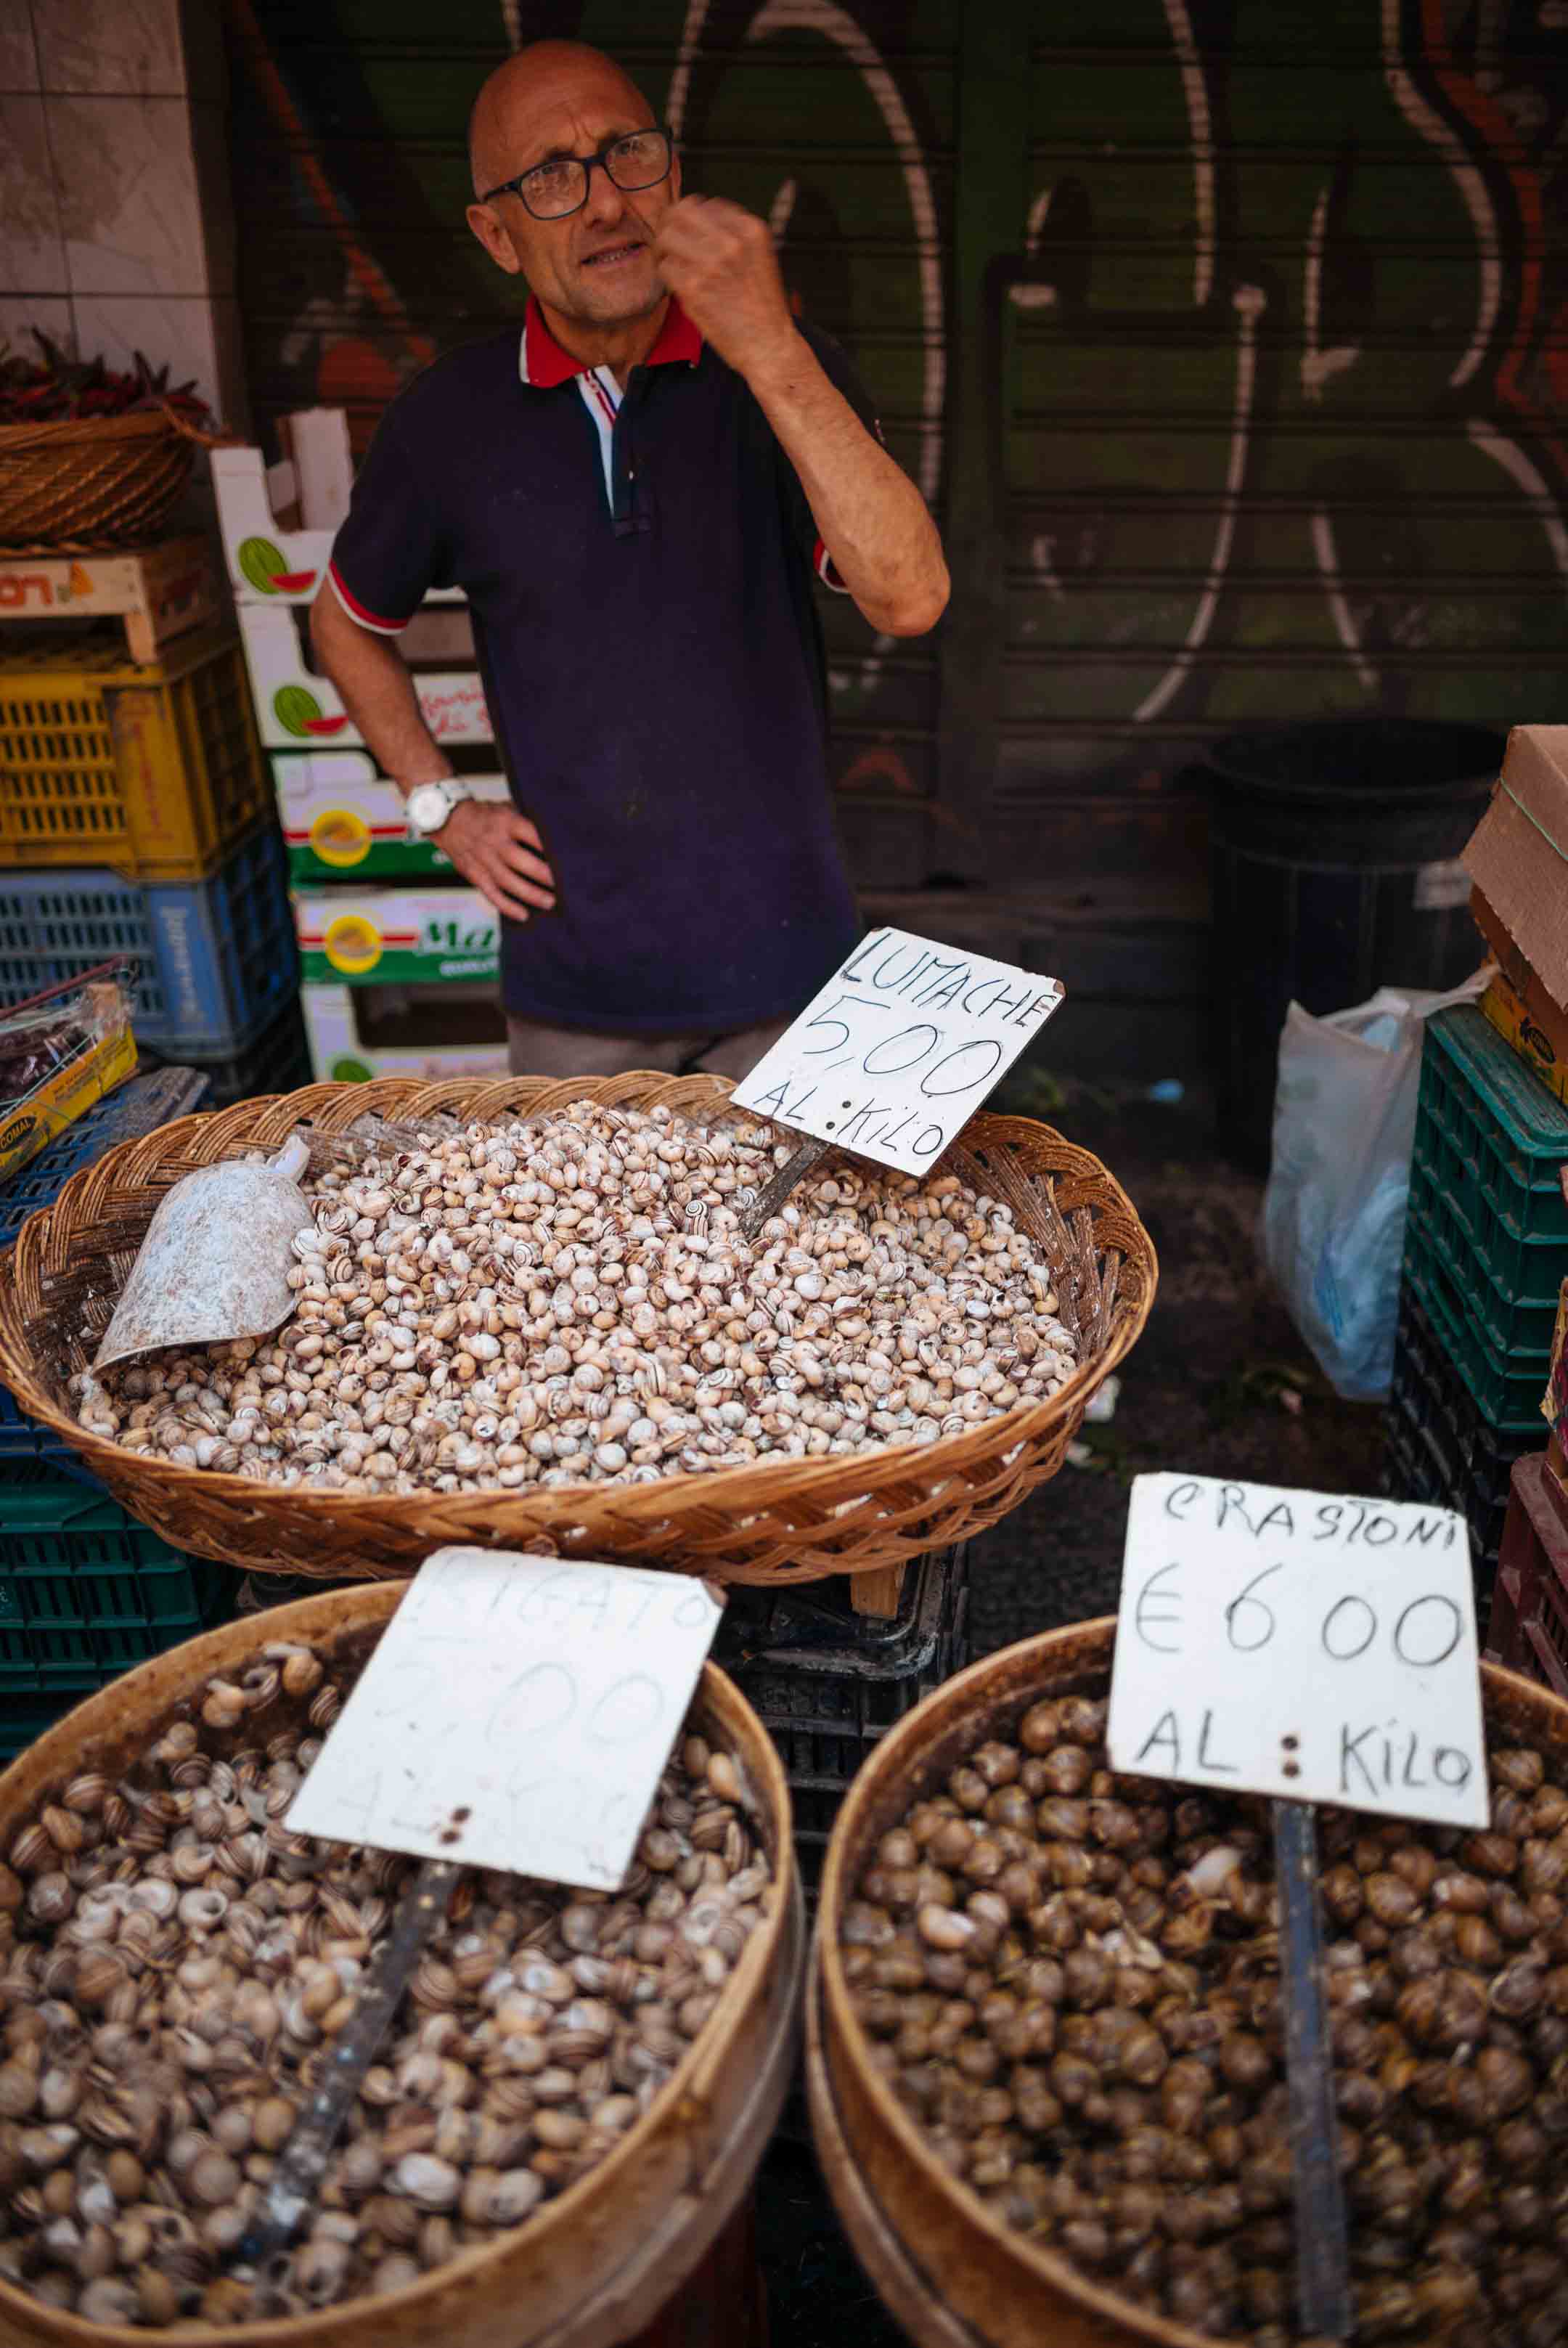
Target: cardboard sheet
x: 1518, y: 856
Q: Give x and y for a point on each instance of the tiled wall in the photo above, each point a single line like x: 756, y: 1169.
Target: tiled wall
x: 116, y: 221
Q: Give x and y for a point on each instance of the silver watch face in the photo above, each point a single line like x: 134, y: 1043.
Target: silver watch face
x: 429, y: 806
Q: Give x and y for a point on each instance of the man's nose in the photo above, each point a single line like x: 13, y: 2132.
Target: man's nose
x: 605, y: 202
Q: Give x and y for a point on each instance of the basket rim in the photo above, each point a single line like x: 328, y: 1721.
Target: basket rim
x: 781, y: 1923
x: 1077, y: 1650
x: 59, y: 431
x: 746, y: 1492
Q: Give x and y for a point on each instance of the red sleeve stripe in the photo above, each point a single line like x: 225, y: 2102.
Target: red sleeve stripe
x: 823, y: 564
x: 356, y: 610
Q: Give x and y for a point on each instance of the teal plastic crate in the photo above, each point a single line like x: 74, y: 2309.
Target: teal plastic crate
x: 1494, y: 1141
x: 86, y: 1591
x: 23, y: 1718
x: 1526, y: 1269
x: 1520, y: 1327
x: 1506, y: 1390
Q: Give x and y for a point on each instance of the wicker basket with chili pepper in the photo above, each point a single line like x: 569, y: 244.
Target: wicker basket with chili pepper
x: 90, y: 456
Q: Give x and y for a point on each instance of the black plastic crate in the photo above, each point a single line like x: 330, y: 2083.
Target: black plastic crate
x: 279, y: 1061
x: 826, y: 1682
x: 1440, y: 1446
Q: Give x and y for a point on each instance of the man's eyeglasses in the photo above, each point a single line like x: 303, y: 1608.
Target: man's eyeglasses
x: 551, y: 190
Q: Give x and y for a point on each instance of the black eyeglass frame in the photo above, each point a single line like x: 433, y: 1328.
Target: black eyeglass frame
x: 589, y: 164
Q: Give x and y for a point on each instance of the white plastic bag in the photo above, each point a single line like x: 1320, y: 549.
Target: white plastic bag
x: 1333, y: 1227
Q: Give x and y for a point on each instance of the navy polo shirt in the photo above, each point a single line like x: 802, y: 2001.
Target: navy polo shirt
x: 640, y: 574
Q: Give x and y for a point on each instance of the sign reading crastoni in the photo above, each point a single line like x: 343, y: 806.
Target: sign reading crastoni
x: 1300, y: 1644
x: 899, y: 1048
x: 517, y: 1715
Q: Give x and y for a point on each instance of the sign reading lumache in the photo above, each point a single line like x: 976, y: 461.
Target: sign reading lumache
x: 899, y: 1048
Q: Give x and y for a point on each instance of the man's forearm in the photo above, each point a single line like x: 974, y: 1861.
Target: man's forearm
x: 377, y: 690
x: 872, y: 518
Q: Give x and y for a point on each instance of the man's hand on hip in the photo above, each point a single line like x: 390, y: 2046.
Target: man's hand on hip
x: 718, y: 260
x: 499, y: 851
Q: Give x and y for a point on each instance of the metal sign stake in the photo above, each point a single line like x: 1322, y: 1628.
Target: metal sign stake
x: 773, y: 1193
x: 1322, y: 2255
x: 296, y: 2181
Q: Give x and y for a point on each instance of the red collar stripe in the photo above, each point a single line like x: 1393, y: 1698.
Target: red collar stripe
x: 543, y: 364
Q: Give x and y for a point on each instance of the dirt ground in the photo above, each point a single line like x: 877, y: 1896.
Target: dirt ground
x: 1219, y: 1384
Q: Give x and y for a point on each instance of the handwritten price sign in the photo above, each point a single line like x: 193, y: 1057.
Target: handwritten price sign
x: 1293, y: 1643
x: 517, y: 1715
x: 901, y: 1046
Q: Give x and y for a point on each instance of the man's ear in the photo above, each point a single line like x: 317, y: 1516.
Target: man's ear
x: 495, y: 237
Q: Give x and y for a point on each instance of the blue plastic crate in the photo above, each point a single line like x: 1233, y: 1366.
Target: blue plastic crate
x: 216, y: 959
x: 131, y: 1110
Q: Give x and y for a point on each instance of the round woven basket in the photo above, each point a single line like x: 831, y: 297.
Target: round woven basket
x: 789, y: 1520
x: 90, y: 483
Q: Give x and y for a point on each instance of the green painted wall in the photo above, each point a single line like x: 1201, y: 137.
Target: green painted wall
x: 1230, y: 342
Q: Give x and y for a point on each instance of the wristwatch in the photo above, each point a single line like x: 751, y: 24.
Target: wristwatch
x: 429, y: 805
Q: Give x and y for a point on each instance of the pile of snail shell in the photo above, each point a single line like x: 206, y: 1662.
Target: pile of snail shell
x: 569, y: 1299
x: 1071, y: 1980
x: 176, y: 1965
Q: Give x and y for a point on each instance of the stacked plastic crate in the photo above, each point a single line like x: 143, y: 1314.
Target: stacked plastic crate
x: 1486, y: 1248
x: 400, y: 961
x: 135, y: 817
x: 85, y: 1591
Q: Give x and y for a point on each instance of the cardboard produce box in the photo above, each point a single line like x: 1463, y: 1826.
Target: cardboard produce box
x: 427, y: 1030
x: 1517, y: 859
x: 296, y: 709
x: 1526, y: 1017
x: 340, y: 817
x: 366, y: 937
x: 278, y: 530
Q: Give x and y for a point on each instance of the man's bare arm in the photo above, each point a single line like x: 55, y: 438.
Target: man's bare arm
x: 491, y: 845
x: 719, y: 260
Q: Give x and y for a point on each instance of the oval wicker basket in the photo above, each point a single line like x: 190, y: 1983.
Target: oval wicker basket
x: 88, y: 482
x: 953, y: 2273
x: 789, y: 1520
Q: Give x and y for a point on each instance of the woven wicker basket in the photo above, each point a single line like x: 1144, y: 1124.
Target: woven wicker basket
x: 85, y: 483
x: 792, y: 1520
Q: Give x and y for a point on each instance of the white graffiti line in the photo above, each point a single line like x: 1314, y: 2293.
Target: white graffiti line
x: 1344, y: 619
x: 1518, y: 465
x: 779, y: 211
x: 1466, y: 178
x: 1195, y: 92
x: 1043, y: 560
x: 822, y: 16
x: 1249, y: 303
x: 685, y: 58
x: 1318, y: 368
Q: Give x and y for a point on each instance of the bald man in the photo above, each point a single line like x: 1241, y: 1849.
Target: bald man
x: 639, y: 494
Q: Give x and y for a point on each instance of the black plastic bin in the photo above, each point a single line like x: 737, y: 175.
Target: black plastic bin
x: 1325, y: 840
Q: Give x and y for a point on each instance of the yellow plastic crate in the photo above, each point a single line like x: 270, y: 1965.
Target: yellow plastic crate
x: 155, y: 770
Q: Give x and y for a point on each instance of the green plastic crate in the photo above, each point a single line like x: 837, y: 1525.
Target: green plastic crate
x: 1525, y: 1268
x: 86, y: 1591
x: 1493, y: 1139
x: 1517, y: 1326
x: 24, y: 1718
x: 1506, y: 1390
